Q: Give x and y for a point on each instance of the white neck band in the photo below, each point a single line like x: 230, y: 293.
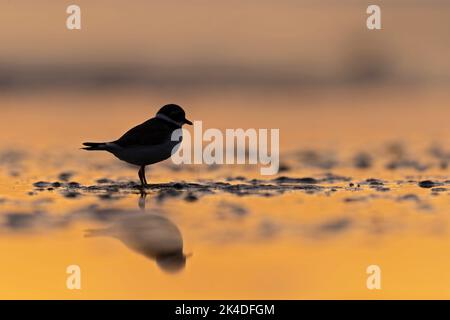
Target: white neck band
x: 166, y: 118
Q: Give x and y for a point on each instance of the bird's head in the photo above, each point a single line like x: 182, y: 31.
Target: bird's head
x: 173, y: 113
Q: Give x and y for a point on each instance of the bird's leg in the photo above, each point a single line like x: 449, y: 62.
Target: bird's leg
x: 143, y: 176
x: 140, y: 177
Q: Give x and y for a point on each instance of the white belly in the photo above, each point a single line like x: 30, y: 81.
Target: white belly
x: 145, y: 155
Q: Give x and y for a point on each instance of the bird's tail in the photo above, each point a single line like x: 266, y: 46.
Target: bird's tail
x: 91, y: 146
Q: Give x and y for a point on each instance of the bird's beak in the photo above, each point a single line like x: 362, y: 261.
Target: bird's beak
x: 188, y: 122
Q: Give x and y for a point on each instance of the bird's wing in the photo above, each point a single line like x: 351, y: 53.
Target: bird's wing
x: 152, y: 132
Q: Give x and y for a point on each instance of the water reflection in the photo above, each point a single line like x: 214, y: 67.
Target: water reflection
x: 151, y: 235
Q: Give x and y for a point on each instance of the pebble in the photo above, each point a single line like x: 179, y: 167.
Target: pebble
x: 363, y: 161
x: 427, y: 184
x: 284, y: 179
x: 73, y: 184
x: 41, y: 184
x: 190, y: 197
x: 65, y: 176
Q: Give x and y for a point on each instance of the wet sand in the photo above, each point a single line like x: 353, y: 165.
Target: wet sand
x: 357, y: 186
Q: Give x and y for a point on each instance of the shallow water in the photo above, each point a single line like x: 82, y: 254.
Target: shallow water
x: 364, y: 181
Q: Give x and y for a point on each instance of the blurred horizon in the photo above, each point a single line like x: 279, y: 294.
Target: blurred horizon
x: 243, y: 44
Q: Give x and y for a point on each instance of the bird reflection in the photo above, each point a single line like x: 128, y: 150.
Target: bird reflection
x: 152, y: 235
x: 141, y: 201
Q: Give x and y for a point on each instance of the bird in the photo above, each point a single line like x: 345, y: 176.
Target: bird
x: 147, y: 143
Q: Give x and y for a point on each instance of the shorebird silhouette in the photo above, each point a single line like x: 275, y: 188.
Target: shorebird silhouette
x: 147, y: 143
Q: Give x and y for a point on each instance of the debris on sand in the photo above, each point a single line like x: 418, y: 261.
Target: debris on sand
x: 104, y: 181
x: 405, y: 164
x: 73, y: 184
x: 42, y: 184
x: 284, y: 179
x: 374, y: 182
x: 190, y: 197
x: 226, y: 208
x: 163, y: 194
x: 362, y: 161
x: 440, y: 189
x: 71, y: 194
x: 356, y: 199
x: 333, y: 227
x: 316, y: 159
x: 409, y: 197
x: 427, y: 184
x: 193, y: 190
x: 12, y: 157
x: 284, y: 168
x: 65, y: 176
x: 109, y: 197
x: 381, y: 188
x: 238, y: 178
